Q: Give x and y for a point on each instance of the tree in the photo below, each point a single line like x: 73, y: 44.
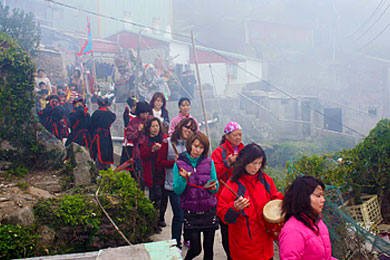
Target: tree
x: 21, y: 27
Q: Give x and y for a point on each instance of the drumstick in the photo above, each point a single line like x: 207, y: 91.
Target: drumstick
x: 227, y: 186
x: 175, y: 149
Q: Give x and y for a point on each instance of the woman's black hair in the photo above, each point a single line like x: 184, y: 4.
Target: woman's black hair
x: 248, y: 154
x: 142, y: 107
x: 149, y: 124
x: 181, y: 100
x: 297, y: 201
x: 223, y: 139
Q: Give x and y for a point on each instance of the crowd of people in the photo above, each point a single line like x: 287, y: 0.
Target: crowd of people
x: 170, y: 159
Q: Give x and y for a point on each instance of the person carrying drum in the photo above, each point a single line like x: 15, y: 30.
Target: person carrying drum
x: 304, y: 236
x: 241, y: 203
x: 224, y: 157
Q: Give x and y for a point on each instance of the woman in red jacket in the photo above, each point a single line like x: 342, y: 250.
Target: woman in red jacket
x: 248, y: 237
x: 153, y: 176
x: 224, y: 156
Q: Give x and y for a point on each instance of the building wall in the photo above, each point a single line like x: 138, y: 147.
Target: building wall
x: 182, y: 51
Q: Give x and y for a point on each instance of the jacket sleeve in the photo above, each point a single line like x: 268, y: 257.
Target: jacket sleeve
x: 162, y: 157
x: 225, y: 207
x: 220, y: 163
x: 132, y: 131
x: 179, y: 182
x: 172, y: 127
x: 291, y: 245
x: 145, y: 151
x: 126, y: 117
x: 213, y: 176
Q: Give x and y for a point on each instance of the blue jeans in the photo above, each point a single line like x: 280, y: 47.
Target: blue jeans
x: 178, y: 216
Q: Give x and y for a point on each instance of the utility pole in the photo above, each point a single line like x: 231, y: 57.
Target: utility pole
x: 137, y: 61
x: 200, y: 87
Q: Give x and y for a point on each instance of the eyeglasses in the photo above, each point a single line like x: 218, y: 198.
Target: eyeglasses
x: 190, y: 128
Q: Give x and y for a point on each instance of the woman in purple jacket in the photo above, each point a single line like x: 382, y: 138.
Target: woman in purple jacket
x: 304, y: 236
x: 195, y: 180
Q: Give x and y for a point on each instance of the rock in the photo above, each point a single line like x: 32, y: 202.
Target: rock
x: 50, y: 186
x: 23, y: 217
x: 6, y: 198
x: 47, y: 235
x: 5, y: 145
x: 55, y: 149
x: 38, y: 193
x: 81, y: 173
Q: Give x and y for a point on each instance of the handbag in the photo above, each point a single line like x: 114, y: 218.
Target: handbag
x: 201, y: 219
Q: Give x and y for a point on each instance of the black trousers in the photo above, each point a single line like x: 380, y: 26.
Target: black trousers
x: 225, y: 238
x: 158, y: 195
x: 164, y: 204
x: 196, y: 248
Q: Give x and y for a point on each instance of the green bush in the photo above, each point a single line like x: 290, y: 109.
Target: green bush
x: 16, y: 242
x: 127, y: 205
x: 279, y: 154
x: 79, y: 224
x: 18, y: 125
x: 75, y: 219
x: 324, y: 167
x: 278, y: 174
x: 363, y: 169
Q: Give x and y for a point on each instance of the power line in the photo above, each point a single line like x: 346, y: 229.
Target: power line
x: 212, y: 50
x: 368, y: 19
x: 375, y: 22
x: 376, y: 37
x: 116, y: 19
x: 278, y: 89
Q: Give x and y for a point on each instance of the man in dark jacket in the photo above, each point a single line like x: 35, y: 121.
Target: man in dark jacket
x: 52, y: 117
x: 79, y: 121
x: 102, y: 150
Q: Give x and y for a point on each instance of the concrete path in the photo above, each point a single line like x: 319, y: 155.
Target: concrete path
x: 219, y: 253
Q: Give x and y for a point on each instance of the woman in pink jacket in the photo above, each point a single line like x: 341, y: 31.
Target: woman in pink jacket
x: 304, y: 236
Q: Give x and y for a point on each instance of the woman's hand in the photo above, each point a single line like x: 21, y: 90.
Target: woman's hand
x: 140, y: 127
x: 183, y: 173
x: 156, y: 147
x: 231, y: 159
x: 214, y: 187
x: 176, y: 157
x: 241, y: 203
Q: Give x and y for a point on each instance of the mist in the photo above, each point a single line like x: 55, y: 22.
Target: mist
x: 302, y: 67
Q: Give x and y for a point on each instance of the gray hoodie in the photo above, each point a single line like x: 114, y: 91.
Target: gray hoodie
x: 181, y: 147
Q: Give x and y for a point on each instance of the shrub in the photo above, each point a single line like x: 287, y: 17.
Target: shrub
x: 134, y: 214
x: 79, y: 224
x: 75, y: 219
x: 365, y: 168
x: 279, y: 154
x: 16, y: 241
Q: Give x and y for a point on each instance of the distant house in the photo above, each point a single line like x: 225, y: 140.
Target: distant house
x: 217, y: 68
